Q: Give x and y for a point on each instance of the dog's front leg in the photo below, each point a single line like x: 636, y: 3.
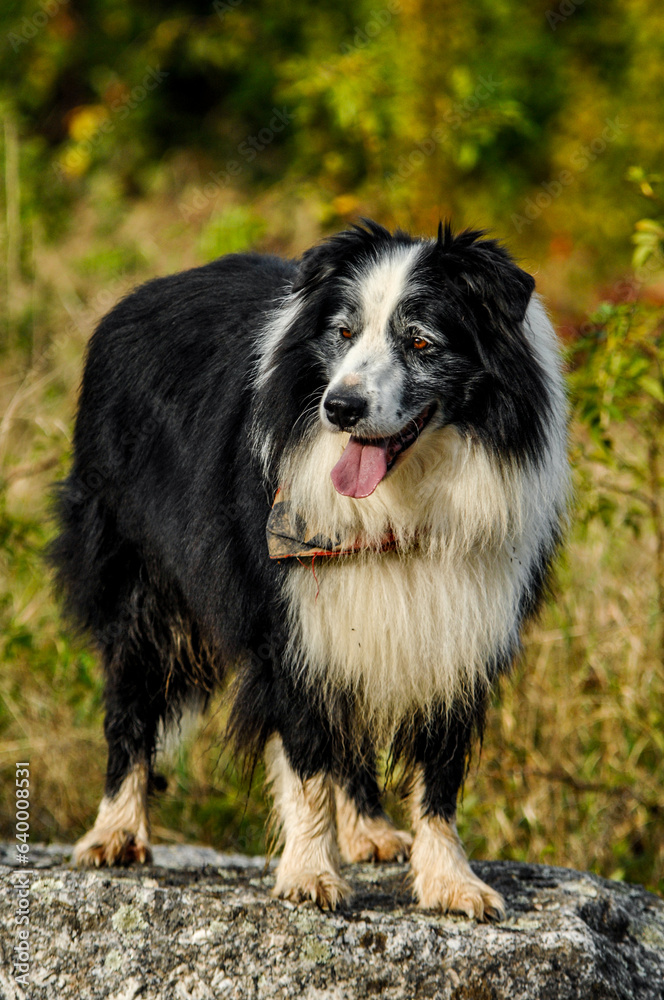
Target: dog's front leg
x: 364, y: 831
x: 442, y: 878
x: 305, y: 810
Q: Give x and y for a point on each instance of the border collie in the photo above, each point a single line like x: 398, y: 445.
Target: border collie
x: 340, y: 481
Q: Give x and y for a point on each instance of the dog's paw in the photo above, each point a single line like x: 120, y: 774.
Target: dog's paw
x: 103, y: 848
x: 468, y: 895
x: 327, y: 889
x: 368, y: 838
x: 375, y: 840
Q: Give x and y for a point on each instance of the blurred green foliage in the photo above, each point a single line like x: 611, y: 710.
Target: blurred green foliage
x: 617, y: 383
x: 408, y: 109
x: 233, y: 231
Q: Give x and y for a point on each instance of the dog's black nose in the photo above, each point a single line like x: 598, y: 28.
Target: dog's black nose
x: 345, y: 408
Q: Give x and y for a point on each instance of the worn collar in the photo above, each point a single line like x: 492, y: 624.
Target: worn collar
x: 288, y: 535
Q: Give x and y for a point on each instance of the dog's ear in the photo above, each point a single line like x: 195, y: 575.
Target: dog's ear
x: 502, y: 294
x: 316, y: 265
x: 495, y: 289
x: 341, y: 253
x: 487, y: 271
x: 505, y: 286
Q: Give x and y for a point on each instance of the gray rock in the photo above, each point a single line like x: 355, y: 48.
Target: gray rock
x: 199, y: 925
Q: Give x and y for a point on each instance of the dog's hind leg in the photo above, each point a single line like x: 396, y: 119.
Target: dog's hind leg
x: 146, y: 684
x: 134, y: 705
x: 304, y: 804
x: 365, y: 833
x: 121, y: 834
x: 442, y: 877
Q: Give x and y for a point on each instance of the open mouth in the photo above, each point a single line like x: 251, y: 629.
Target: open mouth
x: 366, y: 461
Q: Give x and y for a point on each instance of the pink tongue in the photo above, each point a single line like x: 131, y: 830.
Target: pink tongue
x: 360, y: 468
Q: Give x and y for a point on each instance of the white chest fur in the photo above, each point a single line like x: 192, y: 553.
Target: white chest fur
x: 421, y: 626
x: 403, y: 631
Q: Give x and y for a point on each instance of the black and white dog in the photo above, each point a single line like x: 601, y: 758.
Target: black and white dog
x: 402, y: 399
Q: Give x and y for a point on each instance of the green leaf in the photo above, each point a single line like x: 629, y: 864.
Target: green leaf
x: 650, y: 226
x: 653, y: 387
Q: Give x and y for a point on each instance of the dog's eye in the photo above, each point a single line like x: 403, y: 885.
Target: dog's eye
x: 345, y: 332
x: 419, y: 343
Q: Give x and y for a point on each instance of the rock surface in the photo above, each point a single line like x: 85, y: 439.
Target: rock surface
x: 199, y: 925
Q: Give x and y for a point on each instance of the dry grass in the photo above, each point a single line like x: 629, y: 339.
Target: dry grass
x: 572, y: 763
x: 571, y: 768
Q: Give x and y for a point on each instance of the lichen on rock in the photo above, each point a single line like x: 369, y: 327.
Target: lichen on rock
x: 198, y: 924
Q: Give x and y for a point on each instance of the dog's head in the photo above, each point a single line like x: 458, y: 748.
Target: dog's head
x: 396, y: 337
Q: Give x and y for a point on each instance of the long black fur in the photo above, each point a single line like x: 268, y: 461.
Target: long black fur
x: 161, y: 554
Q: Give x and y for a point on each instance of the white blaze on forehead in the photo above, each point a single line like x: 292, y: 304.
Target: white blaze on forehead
x: 378, y: 288
x: 382, y: 286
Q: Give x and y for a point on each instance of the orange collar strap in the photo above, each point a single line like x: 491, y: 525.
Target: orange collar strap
x: 288, y: 536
